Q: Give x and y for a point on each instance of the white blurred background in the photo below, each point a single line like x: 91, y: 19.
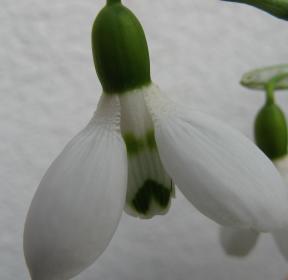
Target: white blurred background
x: 49, y: 90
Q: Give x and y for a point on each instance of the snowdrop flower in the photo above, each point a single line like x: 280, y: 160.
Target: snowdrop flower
x: 136, y: 147
x: 271, y: 137
x: 277, y: 8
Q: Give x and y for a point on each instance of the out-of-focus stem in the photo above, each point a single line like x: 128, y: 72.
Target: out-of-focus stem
x: 278, y: 8
x: 270, y: 86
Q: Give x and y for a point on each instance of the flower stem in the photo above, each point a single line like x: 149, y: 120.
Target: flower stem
x: 278, y: 8
x: 270, y: 87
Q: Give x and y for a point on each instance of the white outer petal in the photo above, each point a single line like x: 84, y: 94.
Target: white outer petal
x: 238, y: 242
x: 281, y: 239
x: 219, y: 170
x: 79, y: 202
x: 281, y: 236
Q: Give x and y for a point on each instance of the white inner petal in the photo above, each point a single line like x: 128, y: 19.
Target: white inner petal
x: 149, y: 187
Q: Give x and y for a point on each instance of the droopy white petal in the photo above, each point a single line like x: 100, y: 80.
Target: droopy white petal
x: 281, y: 239
x: 218, y: 169
x: 281, y: 236
x: 79, y: 202
x: 238, y: 242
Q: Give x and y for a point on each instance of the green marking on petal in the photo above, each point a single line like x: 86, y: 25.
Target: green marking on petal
x: 150, y: 140
x: 161, y: 195
x: 151, y: 190
x: 142, y: 199
x: 134, y: 145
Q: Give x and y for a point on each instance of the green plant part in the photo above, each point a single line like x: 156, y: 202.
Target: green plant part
x: 151, y: 193
x: 270, y: 124
x: 277, y: 8
x: 149, y: 188
x: 122, y: 64
x: 271, y: 131
x: 120, y: 49
x: 258, y: 78
x: 137, y: 143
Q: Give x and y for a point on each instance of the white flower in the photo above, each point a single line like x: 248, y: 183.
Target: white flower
x: 79, y: 202
x: 270, y: 131
x: 137, y: 145
x: 240, y: 243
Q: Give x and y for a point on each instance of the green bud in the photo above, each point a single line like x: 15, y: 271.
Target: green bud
x: 120, y: 49
x: 270, y: 128
x: 278, y: 8
x: 271, y: 131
